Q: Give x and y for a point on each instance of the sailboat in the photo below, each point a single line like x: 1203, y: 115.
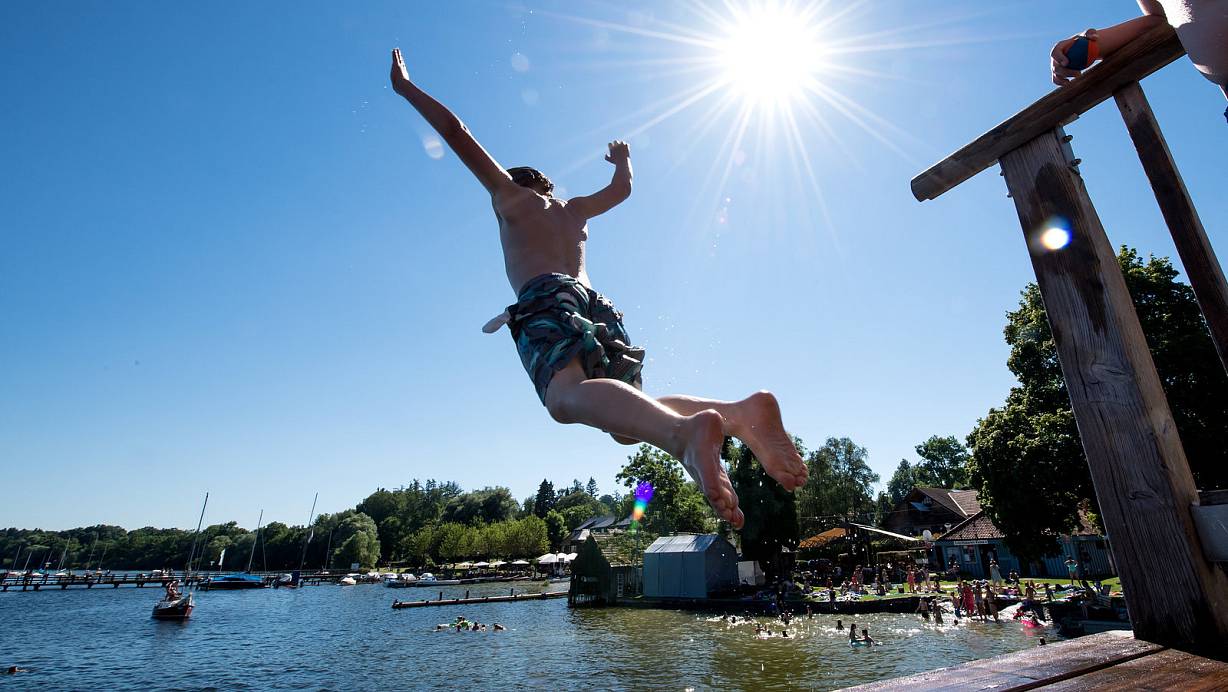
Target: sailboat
x: 175, y: 605
x: 239, y: 580
x: 292, y: 581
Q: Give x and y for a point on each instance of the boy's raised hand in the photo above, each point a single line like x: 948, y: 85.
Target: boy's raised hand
x: 620, y: 151
x: 400, y: 76
x: 1058, y: 63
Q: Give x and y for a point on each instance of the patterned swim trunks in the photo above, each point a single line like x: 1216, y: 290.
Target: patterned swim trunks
x: 557, y: 318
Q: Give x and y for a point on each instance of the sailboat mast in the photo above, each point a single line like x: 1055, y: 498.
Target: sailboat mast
x: 252, y: 556
x: 188, y: 573
x: 90, y: 560
x: 310, y: 532
x: 63, y: 555
x: 327, y: 552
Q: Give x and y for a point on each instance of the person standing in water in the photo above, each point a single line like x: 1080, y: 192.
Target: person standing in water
x: 571, y: 339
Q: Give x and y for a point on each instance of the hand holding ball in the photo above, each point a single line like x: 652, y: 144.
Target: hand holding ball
x: 1082, y: 53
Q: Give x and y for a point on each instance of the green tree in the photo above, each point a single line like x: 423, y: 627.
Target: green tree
x: 882, y: 508
x: 944, y: 463
x: 489, y: 505
x: 591, y: 488
x: 1027, y: 461
x: 902, y: 482
x: 556, y: 529
x: 771, y: 511
x: 677, y: 504
x: 544, y: 502
x: 840, y: 484
x: 356, y: 538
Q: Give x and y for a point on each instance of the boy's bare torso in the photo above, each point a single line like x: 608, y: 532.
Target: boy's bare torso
x: 540, y: 235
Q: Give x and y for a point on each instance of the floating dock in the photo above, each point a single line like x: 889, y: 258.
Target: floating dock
x: 484, y: 599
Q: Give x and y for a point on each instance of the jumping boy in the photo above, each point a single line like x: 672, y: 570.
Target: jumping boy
x: 572, y: 341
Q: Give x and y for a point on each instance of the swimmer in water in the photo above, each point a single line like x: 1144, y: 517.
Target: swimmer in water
x: 865, y: 636
x: 499, y: 628
x: 852, y: 631
x: 839, y: 625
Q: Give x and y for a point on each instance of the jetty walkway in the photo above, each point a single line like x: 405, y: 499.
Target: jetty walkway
x: 512, y: 597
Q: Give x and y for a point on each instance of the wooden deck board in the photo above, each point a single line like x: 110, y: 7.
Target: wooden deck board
x: 1031, y: 668
x: 1166, y: 670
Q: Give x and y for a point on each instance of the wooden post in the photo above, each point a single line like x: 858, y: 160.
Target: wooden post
x: 1139, y: 468
x: 1197, y: 256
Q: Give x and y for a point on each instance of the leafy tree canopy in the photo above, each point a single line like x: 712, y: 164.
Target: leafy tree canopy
x: 1027, y: 460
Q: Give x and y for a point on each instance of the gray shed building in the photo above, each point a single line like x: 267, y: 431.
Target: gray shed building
x: 690, y: 566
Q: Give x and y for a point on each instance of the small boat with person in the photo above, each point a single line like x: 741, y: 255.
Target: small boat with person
x: 176, y: 605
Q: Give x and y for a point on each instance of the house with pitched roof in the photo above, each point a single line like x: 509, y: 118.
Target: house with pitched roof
x: 973, y: 543
x: 936, y: 510
x: 607, y: 569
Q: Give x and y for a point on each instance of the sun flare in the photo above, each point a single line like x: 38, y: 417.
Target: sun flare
x: 770, y: 54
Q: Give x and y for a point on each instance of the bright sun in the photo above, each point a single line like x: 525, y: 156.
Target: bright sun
x: 770, y: 54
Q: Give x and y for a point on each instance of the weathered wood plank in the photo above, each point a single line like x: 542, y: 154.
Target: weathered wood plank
x: 1137, y: 464
x: 1027, y: 669
x: 1167, y: 670
x: 1197, y: 255
x: 1137, y: 59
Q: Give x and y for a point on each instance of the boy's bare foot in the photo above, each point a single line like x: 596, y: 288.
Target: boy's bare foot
x: 761, y: 429
x: 703, y: 434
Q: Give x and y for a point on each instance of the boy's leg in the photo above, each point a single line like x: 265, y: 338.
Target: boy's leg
x: 754, y: 420
x: 620, y: 409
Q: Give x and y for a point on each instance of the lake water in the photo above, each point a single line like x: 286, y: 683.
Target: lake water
x: 349, y: 638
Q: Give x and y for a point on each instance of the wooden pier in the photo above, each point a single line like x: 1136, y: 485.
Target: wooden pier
x: 510, y: 598
x: 1106, y: 661
x: 40, y: 582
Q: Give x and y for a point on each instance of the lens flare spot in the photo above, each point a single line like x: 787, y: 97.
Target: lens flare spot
x: 433, y: 147
x: 1055, y: 238
x: 520, y: 63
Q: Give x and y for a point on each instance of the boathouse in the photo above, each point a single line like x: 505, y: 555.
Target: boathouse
x: 605, y: 571
x: 690, y: 567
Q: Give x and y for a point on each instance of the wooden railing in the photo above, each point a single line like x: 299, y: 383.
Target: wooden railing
x: 1176, y: 595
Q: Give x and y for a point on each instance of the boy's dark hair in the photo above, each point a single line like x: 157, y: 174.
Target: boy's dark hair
x: 525, y: 176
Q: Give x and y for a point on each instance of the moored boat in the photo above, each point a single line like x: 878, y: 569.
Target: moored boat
x: 178, y: 607
x: 233, y: 582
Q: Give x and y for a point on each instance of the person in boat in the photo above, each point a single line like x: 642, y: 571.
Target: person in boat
x: 172, y: 589
x: 571, y: 339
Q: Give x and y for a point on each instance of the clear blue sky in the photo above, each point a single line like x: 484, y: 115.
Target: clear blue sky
x: 232, y: 260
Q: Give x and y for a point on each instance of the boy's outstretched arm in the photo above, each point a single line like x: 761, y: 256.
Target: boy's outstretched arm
x: 1109, y: 39
x: 481, y: 164
x: 609, y: 196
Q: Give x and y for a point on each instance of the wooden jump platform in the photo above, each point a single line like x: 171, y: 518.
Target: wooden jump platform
x: 485, y: 599
x: 1164, y: 534
x: 1106, y: 661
